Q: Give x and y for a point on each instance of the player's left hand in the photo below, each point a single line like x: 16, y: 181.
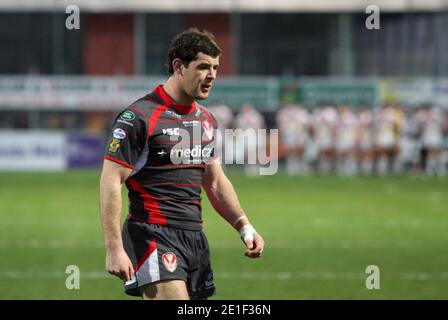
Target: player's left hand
x: 254, y: 247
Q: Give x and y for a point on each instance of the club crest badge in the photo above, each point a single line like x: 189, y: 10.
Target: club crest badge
x: 169, y: 260
x: 208, y: 129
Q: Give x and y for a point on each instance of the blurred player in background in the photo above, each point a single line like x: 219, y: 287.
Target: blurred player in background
x: 385, y: 139
x: 293, y: 124
x: 365, y: 142
x: 346, y: 164
x: 434, y: 126
x: 249, y: 120
x: 163, y: 252
x: 416, y: 120
x: 324, y: 132
x: 224, y: 117
x: 408, y: 143
x: 399, y: 156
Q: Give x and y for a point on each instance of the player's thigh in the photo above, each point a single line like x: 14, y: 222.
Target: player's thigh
x: 165, y: 290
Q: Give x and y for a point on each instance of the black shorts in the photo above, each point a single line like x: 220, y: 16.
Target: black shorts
x: 163, y: 253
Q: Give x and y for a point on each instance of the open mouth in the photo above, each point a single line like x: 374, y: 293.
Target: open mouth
x: 206, y: 87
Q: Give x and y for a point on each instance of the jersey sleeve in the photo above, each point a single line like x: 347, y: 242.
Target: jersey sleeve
x: 127, y: 138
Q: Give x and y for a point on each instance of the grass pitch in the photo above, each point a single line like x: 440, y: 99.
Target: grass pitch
x: 321, y: 233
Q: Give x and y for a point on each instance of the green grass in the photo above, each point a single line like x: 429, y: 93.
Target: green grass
x: 320, y: 232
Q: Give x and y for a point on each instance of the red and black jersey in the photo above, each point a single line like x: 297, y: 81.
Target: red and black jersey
x: 168, y: 147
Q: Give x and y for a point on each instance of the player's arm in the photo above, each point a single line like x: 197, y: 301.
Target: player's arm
x: 124, y: 147
x: 223, y: 198
x: 112, y: 179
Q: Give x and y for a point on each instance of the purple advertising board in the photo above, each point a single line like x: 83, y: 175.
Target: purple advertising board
x: 85, y: 150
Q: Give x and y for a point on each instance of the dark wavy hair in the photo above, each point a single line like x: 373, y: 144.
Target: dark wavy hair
x: 186, y: 45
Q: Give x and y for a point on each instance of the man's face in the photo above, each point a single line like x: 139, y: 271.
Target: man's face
x: 200, y: 75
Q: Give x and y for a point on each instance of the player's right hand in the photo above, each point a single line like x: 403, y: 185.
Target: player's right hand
x: 255, y: 246
x: 119, y: 264
x: 254, y: 242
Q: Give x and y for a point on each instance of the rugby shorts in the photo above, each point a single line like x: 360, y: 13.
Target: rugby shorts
x: 163, y: 253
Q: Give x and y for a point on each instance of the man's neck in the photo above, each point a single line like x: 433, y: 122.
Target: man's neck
x: 173, y: 89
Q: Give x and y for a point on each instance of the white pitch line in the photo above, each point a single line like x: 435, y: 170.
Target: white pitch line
x: 47, y: 243
x: 220, y: 244
x: 318, y: 222
x: 252, y: 275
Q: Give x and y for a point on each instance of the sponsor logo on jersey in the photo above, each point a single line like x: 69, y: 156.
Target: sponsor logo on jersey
x: 114, y: 145
x: 171, y: 131
x: 162, y: 153
x: 169, y: 260
x: 119, y: 134
x: 190, y: 123
x: 208, y: 129
x: 173, y: 113
x: 125, y: 122
x: 195, y: 152
x: 128, y: 115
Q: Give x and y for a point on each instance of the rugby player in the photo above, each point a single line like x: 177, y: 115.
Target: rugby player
x: 154, y: 149
x: 224, y: 117
x: 325, y: 125
x: 386, y: 141
x: 346, y: 131
x: 293, y: 122
x: 249, y: 120
x: 365, y: 142
x: 433, y: 129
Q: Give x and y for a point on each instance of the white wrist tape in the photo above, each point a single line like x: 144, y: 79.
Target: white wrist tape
x: 239, y: 219
x: 247, y: 232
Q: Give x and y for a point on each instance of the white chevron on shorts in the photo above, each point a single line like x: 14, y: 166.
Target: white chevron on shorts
x: 149, y: 271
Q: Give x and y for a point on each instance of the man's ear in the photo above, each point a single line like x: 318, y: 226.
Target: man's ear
x: 177, y: 66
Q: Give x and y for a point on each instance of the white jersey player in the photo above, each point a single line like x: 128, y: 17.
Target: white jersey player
x: 385, y: 122
x: 249, y: 120
x: 387, y: 126
x: 224, y: 117
x: 324, y: 128
x: 432, y: 137
x: 409, y: 143
x: 365, y: 140
x: 293, y: 124
x: 346, y: 132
